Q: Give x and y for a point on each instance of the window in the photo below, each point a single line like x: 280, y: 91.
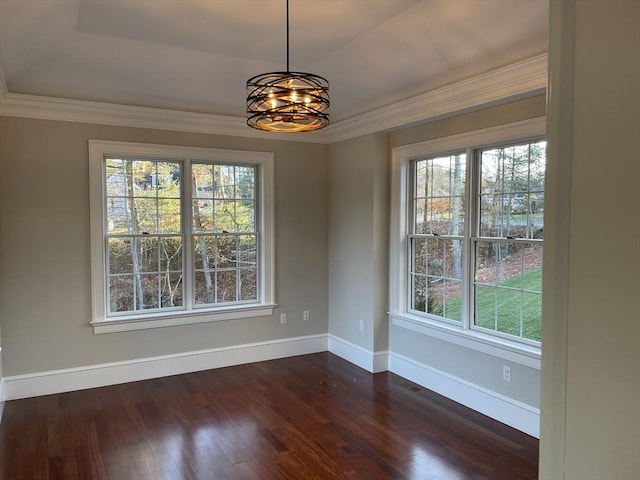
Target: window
x: 179, y: 235
x: 467, y: 239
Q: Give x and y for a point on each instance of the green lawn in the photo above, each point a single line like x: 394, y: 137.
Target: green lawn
x: 507, y: 303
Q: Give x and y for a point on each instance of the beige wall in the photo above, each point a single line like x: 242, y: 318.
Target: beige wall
x: 358, y: 241
x: 525, y: 109
x: 591, y: 357
x: 44, y: 248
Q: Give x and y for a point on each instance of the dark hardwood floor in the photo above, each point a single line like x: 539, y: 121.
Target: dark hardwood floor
x: 309, y: 417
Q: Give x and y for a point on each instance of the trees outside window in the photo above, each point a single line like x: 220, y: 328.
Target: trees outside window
x: 144, y: 234
x: 467, y: 240
x: 178, y: 231
x: 507, y: 248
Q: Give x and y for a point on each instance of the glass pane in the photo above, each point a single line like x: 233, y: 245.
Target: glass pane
x: 485, y: 303
x: 204, y: 287
x: 146, y: 255
x: 116, y: 179
x: 420, y: 216
x: 537, y: 217
x: 149, y: 284
x: 435, y: 297
x: 504, y: 216
x: 509, y: 308
x: 204, y: 252
x: 248, y: 284
x: 419, y: 289
x: 144, y: 176
x: 445, y: 216
x: 248, y: 246
x: 245, y: 216
x: 452, y: 290
x: 168, y: 179
x: 224, y: 216
x: 435, y: 257
x: 171, y: 290
x: 226, y: 251
x: 202, y: 180
x: 170, y: 218
x: 532, y: 256
x: 496, y: 261
x: 509, y: 264
x: 440, y: 293
x: 421, y: 178
x: 512, y: 191
x: 121, y: 293
x: 226, y: 286
x: 444, y: 258
x: 224, y: 181
x: 439, y: 195
x: 118, y: 218
x: 245, y: 178
x: 537, y: 165
x: 120, y: 260
x: 419, y: 255
x: 171, y: 254
x: 202, y: 215
x: 532, y: 316
x: 144, y: 215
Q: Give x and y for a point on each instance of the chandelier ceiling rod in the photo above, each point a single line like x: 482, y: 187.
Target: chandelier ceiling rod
x: 288, y: 36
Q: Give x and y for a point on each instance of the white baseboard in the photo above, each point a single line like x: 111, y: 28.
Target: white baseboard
x: 66, y: 380
x: 511, y: 412
x: 373, y: 362
x: 516, y: 414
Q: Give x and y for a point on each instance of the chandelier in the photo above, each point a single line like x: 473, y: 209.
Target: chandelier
x: 287, y: 101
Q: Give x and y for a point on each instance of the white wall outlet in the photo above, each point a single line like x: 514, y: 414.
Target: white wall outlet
x: 283, y: 318
x: 362, y: 325
x: 506, y: 373
x: 305, y: 315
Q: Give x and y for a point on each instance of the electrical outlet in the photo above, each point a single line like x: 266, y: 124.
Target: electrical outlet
x: 283, y: 318
x: 506, y: 373
x: 362, y: 325
x: 305, y: 315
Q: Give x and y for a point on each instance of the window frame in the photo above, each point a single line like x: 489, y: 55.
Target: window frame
x: 190, y: 314
x: 400, y: 313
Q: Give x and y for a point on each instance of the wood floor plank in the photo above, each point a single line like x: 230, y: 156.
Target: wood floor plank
x: 313, y: 416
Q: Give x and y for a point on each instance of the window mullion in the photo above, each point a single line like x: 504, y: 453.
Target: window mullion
x: 187, y: 236
x: 410, y: 213
x: 469, y: 232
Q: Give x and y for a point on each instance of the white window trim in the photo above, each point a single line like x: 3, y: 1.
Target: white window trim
x: 398, y: 288
x: 101, y: 324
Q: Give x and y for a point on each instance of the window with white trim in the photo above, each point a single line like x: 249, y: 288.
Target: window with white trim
x: 467, y: 239
x: 179, y: 235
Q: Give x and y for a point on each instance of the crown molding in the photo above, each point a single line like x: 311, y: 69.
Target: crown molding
x: 519, y: 80
x: 81, y: 111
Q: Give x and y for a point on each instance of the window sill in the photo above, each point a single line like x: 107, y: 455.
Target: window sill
x: 512, y: 351
x: 126, y: 324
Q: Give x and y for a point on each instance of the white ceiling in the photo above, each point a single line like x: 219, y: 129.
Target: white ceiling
x: 196, y: 55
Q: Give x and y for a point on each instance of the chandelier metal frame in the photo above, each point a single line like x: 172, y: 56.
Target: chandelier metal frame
x: 288, y: 101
